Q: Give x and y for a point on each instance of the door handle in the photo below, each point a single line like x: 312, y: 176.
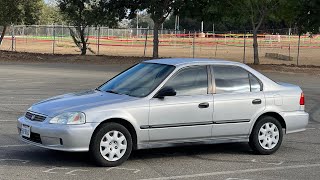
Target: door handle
x: 256, y: 101
x: 203, y: 105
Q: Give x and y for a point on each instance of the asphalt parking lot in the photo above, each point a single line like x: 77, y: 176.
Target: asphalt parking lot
x: 22, y: 85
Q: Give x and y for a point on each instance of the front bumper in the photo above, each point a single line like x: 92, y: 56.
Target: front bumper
x: 58, y: 137
x: 295, y: 121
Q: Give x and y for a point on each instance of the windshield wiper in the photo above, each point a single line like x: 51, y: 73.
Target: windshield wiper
x: 111, y: 91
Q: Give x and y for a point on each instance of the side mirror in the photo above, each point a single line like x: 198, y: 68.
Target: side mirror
x: 166, y: 91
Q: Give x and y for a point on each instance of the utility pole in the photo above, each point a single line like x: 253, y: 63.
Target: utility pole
x: 175, y: 24
x: 213, y: 29
x: 178, y: 23
x: 54, y: 38
x: 202, y: 26
x: 13, y: 41
x: 137, y: 24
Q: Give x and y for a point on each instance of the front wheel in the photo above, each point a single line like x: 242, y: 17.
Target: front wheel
x: 111, y: 145
x: 266, y: 136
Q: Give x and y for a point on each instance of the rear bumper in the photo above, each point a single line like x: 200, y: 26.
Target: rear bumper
x: 295, y: 121
x: 58, y: 137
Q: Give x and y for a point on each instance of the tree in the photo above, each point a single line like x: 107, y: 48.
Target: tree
x: 239, y: 13
x: 10, y: 13
x: 51, y: 14
x: 31, y: 11
x: 303, y: 14
x: 84, y: 13
x: 184, y: 23
x: 159, y: 10
x: 18, y: 11
x: 254, y: 12
x: 210, y: 12
x: 144, y: 21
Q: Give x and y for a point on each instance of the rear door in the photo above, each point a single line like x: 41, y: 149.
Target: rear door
x: 238, y: 98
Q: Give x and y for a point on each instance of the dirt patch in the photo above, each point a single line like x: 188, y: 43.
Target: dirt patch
x: 23, y: 57
x: 227, y: 47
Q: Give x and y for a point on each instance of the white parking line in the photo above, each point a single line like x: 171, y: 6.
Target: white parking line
x: 14, y: 145
x: 19, y: 160
x: 55, y: 168
x: 133, y: 170
x: 8, y: 120
x: 29, y: 99
x: 235, y: 172
x: 76, y: 170
x: 310, y: 128
x: 14, y: 104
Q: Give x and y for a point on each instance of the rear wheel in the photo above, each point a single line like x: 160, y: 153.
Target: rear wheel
x: 266, y: 136
x: 111, y: 145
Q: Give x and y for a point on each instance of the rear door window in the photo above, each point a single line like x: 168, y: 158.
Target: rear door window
x: 233, y: 79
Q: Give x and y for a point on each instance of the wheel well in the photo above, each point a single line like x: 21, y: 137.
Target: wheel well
x: 276, y: 116
x: 124, y: 123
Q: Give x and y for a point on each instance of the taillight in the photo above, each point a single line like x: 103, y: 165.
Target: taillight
x: 302, y: 99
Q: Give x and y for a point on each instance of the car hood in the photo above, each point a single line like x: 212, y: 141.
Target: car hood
x: 75, y: 102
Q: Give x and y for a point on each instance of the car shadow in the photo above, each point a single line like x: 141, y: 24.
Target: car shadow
x: 50, y: 158
x: 193, y: 151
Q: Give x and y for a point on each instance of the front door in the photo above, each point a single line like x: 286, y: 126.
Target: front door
x: 188, y: 115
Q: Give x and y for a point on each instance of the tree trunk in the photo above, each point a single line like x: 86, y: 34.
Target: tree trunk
x: 244, y: 46
x: 255, y: 47
x: 83, y: 41
x: 298, y: 49
x: 156, y: 40
x: 3, y: 33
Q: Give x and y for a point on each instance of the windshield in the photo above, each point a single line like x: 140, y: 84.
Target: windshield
x: 138, y: 81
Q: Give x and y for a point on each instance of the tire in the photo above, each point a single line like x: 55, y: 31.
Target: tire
x: 264, y: 140
x: 111, y: 145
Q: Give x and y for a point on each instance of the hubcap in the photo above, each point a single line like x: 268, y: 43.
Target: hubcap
x: 268, y: 135
x: 113, y: 145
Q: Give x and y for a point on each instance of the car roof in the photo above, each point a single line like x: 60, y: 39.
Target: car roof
x: 191, y: 61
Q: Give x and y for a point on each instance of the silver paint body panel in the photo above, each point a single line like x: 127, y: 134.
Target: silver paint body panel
x: 172, y: 120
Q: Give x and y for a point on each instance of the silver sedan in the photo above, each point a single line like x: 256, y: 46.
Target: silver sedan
x: 168, y: 102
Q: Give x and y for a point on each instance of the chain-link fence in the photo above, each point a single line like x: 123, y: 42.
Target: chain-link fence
x: 275, y: 46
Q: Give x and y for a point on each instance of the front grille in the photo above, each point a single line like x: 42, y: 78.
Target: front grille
x: 34, y: 137
x: 35, y: 117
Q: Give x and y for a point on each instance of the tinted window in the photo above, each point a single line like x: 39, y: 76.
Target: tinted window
x: 230, y: 79
x: 190, y: 81
x: 138, y: 81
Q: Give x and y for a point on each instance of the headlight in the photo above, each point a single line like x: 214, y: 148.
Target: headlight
x: 69, y: 118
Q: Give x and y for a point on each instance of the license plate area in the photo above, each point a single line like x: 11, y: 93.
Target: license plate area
x: 25, y: 131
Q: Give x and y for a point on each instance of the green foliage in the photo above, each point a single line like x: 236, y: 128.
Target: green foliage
x: 51, y: 15
x: 93, y: 12
x: 302, y: 14
x: 144, y: 21
x: 11, y: 12
x: 84, y: 13
x: 18, y: 12
x: 185, y: 23
x: 202, y: 10
x: 31, y: 10
x: 159, y: 10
